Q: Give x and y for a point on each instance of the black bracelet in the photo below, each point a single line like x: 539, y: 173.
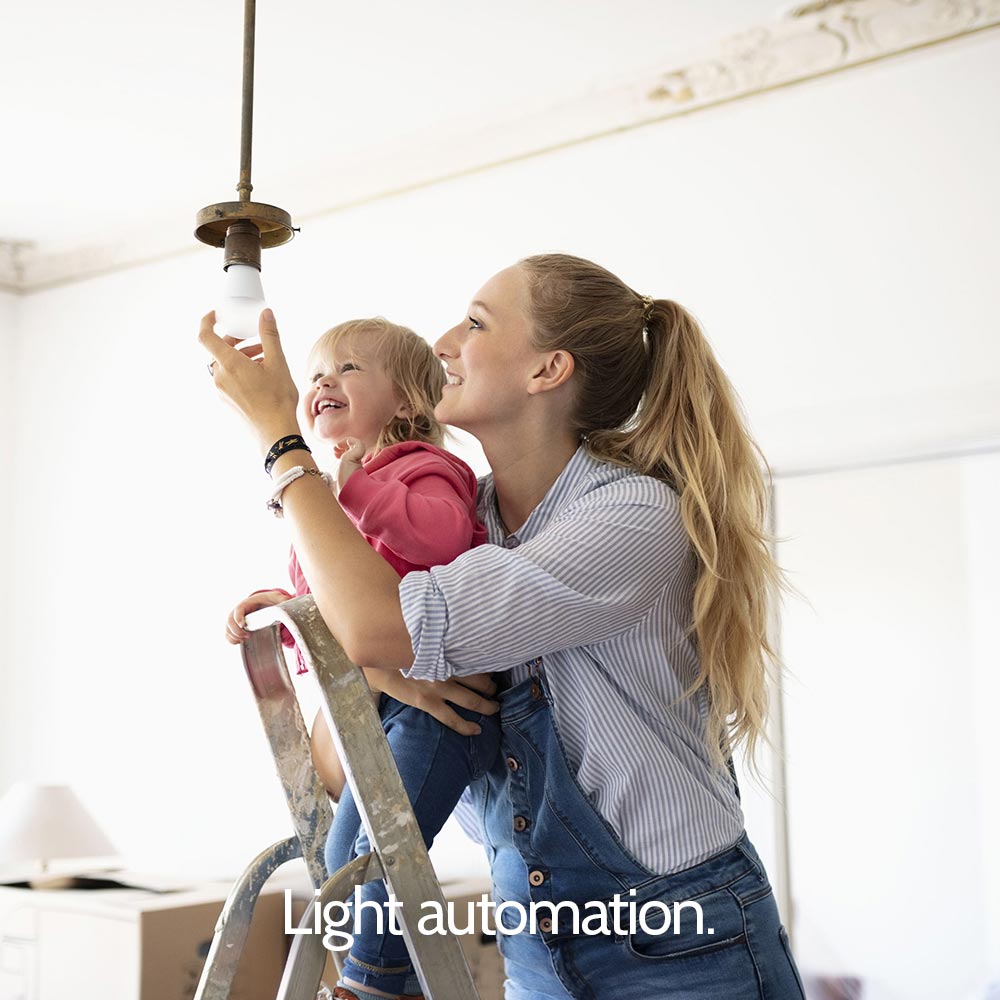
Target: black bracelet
x: 294, y: 442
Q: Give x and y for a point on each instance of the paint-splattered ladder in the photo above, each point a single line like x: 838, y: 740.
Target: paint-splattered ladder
x: 398, y: 856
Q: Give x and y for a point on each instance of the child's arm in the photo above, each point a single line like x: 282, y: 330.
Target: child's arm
x: 236, y: 630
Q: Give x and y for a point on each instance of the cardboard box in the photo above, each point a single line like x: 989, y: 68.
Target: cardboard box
x: 479, y: 945
x: 128, y: 943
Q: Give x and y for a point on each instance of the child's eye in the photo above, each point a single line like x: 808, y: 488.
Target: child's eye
x: 476, y: 325
x: 348, y: 366
x: 316, y: 377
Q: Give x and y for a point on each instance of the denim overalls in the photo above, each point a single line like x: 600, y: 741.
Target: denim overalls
x: 546, y: 842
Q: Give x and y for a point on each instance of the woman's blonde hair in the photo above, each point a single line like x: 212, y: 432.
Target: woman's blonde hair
x: 651, y: 396
x: 415, y: 371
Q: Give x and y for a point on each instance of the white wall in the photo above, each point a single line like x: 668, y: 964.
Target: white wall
x: 981, y: 546
x: 835, y: 238
x: 8, y: 427
x: 890, y: 729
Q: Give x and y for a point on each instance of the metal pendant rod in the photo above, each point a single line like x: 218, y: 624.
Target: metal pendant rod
x: 246, y: 132
x: 264, y: 225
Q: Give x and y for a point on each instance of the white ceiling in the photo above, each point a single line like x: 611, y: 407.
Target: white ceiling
x: 118, y: 113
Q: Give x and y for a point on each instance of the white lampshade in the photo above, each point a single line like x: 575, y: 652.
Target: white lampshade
x: 42, y: 822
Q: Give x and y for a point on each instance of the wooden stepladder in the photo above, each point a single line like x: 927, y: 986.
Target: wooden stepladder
x: 398, y: 855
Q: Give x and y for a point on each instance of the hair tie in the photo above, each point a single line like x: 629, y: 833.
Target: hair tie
x: 647, y: 309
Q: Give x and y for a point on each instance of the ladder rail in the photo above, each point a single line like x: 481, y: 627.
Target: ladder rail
x: 371, y: 772
x: 281, y: 716
x: 304, y: 968
x: 234, y: 922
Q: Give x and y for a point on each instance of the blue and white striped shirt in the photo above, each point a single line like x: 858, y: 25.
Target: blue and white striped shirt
x: 599, y: 582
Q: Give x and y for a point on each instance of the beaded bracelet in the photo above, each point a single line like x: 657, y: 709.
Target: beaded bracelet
x: 293, y: 442
x: 289, y: 476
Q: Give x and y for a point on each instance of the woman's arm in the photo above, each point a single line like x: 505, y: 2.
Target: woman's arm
x: 595, y: 572
x: 356, y: 590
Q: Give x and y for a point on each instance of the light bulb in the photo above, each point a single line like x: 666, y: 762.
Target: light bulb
x: 238, y: 312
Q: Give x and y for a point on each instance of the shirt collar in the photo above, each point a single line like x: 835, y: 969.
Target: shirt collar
x: 567, y: 487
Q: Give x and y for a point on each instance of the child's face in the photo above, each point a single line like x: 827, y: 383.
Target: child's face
x: 349, y: 396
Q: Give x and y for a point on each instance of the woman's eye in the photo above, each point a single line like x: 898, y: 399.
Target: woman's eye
x: 475, y: 324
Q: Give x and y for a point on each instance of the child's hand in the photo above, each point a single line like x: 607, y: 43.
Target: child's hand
x: 236, y: 630
x: 350, y: 453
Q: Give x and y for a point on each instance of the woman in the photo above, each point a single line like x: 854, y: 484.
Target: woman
x: 625, y: 601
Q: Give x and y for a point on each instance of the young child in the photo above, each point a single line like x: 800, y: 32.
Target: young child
x: 372, y: 391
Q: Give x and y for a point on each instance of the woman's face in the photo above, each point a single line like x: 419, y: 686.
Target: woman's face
x: 489, y: 357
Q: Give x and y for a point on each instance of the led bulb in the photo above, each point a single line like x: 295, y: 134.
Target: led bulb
x: 238, y: 312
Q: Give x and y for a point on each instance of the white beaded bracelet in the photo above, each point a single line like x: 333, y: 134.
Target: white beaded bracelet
x: 289, y: 476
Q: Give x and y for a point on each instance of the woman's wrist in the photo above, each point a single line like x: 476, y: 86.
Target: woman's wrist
x: 289, y: 460
x: 275, y: 430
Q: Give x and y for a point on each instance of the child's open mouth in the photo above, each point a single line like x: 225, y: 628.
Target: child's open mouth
x: 329, y: 404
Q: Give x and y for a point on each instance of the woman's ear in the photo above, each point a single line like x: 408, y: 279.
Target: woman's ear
x: 554, y: 370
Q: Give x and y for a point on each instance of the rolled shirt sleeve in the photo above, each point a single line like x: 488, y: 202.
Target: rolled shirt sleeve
x: 594, y: 572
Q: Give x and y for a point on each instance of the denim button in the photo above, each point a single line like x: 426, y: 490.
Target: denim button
x: 536, y: 877
x: 545, y: 925
x: 512, y: 764
x: 520, y: 824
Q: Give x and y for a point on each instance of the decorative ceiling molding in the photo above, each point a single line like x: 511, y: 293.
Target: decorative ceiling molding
x: 816, y: 39
x: 12, y: 268
x: 812, y: 40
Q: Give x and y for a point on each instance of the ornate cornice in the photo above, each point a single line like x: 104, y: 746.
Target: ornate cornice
x: 12, y: 264
x: 812, y: 40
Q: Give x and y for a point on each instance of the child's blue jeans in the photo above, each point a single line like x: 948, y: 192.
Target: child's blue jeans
x: 436, y: 764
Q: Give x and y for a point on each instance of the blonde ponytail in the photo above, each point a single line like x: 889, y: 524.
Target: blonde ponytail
x: 653, y: 397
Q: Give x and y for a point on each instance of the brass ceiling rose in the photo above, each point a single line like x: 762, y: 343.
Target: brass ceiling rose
x: 213, y: 222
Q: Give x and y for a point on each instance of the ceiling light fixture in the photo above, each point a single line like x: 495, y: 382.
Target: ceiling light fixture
x: 243, y: 227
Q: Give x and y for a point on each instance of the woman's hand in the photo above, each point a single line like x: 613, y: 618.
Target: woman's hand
x: 429, y: 696
x: 236, y: 630
x: 256, y: 381
x: 433, y: 696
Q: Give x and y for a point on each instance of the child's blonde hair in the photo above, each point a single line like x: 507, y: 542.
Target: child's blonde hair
x: 409, y: 361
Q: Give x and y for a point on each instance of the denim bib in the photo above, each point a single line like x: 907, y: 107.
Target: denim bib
x: 547, y: 844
